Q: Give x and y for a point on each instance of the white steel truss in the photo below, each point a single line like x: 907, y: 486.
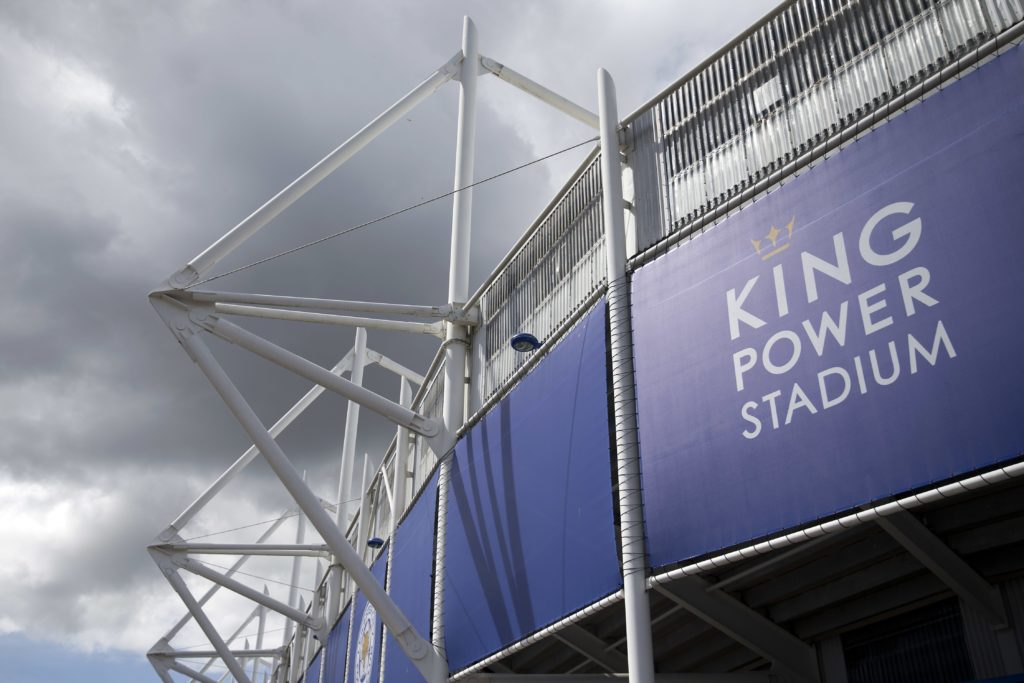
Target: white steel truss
x: 189, y: 313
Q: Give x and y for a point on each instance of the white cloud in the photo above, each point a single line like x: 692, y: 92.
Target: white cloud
x: 133, y: 135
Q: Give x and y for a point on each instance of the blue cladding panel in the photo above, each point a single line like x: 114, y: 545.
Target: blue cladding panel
x: 313, y: 672
x: 364, y: 650
x: 412, y: 580
x: 337, y: 645
x: 724, y: 463
x: 530, y: 529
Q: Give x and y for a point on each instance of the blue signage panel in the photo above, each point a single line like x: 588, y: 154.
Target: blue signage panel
x: 850, y: 336
x: 530, y: 535
x: 364, y: 650
x: 411, y: 583
x: 313, y: 672
x: 337, y: 646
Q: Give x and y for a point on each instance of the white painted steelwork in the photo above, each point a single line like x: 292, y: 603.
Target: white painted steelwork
x: 436, y: 413
x: 639, y: 648
x: 770, y: 88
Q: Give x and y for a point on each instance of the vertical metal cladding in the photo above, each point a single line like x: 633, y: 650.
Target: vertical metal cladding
x: 789, y: 84
x: 411, y: 581
x: 546, y: 281
x: 853, y: 335
x: 530, y: 525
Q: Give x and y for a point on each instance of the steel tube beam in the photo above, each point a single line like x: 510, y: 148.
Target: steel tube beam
x: 443, y: 312
x: 310, y: 179
x: 316, y: 610
x: 593, y: 648
x: 160, y: 666
x: 940, y: 559
x: 543, y: 94
x: 418, y: 650
x: 397, y: 368
x: 465, y: 156
x: 200, y: 569
x: 191, y: 673
x: 387, y: 487
x: 238, y: 631
x: 228, y: 331
x: 745, y: 626
x: 349, y: 440
x: 259, y: 638
x: 282, y: 424
x: 453, y: 401
x: 213, y: 589
x: 363, y: 527
x: 315, y: 550
x: 640, y: 651
x: 433, y: 329
x: 345, y: 471
x: 298, y: 659
x: 401, y: 461
x: 178, y: 584
x: 293, y: 590
x: 246, y: 653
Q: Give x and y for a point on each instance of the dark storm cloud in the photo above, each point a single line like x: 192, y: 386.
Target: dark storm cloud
x: 135, y: 134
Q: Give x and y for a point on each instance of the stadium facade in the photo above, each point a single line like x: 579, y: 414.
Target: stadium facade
x: 772, y: 427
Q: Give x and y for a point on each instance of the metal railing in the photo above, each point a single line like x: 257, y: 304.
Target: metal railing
x: 544, y: 280
x: 805, y: 73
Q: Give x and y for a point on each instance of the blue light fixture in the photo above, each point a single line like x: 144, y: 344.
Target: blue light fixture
x: 375, y: 542
x: 524, y: 342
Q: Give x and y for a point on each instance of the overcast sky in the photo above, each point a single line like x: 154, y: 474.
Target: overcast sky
x: 132, y: 135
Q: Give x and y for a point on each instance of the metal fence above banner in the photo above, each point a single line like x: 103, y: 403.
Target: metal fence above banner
x: 808, y: 71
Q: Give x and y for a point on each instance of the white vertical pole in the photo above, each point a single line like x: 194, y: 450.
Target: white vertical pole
x: 401, y: 461
x: 348, y: 454
x: 363, y: 528
x: 262, y: 625
x: 640, y: 653
x: 317, y: 607
x: 318, y: 576
x: 458, y: 292
x: 299, y: 648
x: 293, y: 591
x: 315, y: 610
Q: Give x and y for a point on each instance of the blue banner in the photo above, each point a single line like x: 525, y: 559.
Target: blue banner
x: 364, y: 650
x: 411, y: 584
x: 530, y: 535
x: 312, y: 674
x: 852, y: 335
x: 337, y: 646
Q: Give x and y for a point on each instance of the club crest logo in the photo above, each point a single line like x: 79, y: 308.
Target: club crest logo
x: 365, y: 645
x: 776, y: 241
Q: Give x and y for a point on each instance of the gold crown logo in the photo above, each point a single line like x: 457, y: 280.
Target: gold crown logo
x: 775, y: 238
